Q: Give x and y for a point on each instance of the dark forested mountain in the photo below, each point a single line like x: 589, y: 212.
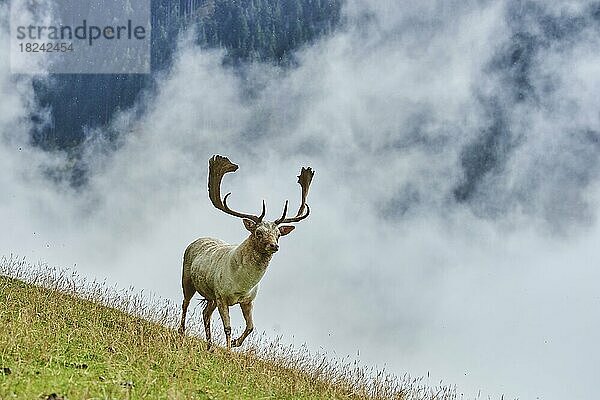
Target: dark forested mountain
x: 250, y: 30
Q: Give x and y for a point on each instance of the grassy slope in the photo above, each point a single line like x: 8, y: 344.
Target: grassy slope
x: 60, y: 333
x: 56, y: 343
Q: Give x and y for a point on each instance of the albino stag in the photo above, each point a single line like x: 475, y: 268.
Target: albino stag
x: 226, y: 274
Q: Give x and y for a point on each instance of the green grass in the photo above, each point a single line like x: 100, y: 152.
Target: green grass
x: 81, y: 340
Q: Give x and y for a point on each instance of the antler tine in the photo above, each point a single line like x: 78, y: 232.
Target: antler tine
x: 218, y: 166
x: 298, y: 217
x: 264, y: 211
x: 304, y: 179
x: 280, y: 220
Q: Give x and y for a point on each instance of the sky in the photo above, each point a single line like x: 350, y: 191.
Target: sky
x: 453, y: 226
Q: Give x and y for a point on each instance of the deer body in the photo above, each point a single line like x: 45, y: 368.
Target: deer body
x: 226, y: 274
x: 218, y: 270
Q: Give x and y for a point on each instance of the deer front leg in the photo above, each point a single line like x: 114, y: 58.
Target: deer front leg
x: 224, y: 312
x: 247, y: 312
x: 209, y: 308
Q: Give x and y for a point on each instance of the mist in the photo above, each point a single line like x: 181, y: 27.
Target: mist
x: 453, y: 229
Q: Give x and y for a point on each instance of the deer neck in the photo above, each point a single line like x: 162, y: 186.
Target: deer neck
x: 252, y: 255
x: 252, y: 263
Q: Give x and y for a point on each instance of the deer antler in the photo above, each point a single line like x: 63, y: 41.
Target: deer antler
x: 218, y: 166
x: 304, y: 179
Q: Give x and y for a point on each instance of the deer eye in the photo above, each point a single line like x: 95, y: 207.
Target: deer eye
x: 259, y: 234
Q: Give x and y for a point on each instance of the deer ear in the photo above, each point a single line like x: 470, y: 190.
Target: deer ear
x: 284, y: 230
x: 249, y: 224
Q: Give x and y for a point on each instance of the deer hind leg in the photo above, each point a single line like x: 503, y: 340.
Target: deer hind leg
x: 224, y: 312
x: 209, y: 308
x: 188, y: 293
x: 247, y: 312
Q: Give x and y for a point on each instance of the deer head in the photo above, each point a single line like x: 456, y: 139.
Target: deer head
x: 265, y: 235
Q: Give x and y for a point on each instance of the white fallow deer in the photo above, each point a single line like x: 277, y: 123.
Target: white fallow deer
x: 226, y: 274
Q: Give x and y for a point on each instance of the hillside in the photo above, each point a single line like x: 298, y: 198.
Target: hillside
x: 267, y: 31
x: 57, y: 338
